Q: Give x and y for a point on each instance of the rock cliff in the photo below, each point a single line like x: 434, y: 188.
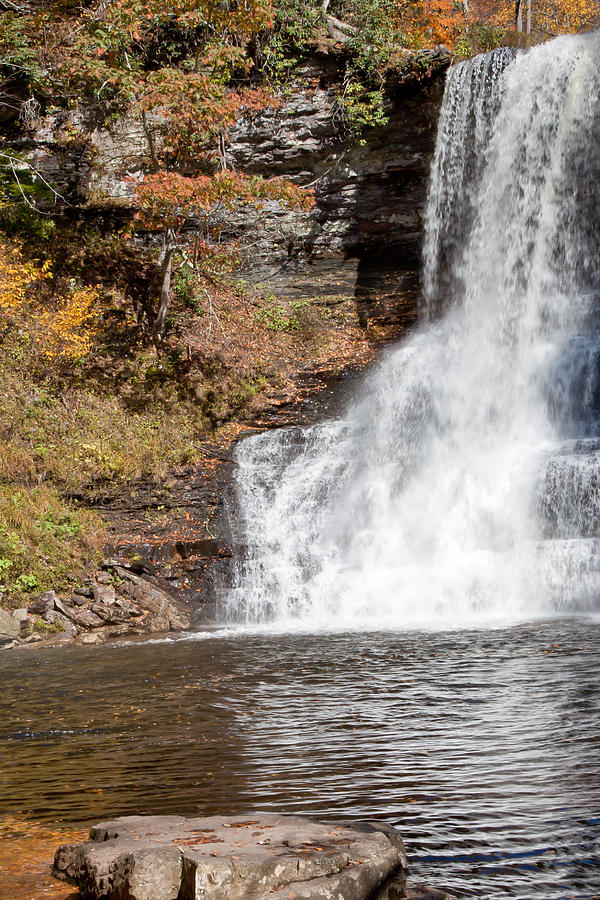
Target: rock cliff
x: 366, y: 224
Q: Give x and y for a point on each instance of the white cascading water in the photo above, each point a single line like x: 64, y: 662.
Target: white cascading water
x: 463, y: 484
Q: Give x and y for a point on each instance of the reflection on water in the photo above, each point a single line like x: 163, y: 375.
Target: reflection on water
x: 481, y: 746
x: 26, y: 853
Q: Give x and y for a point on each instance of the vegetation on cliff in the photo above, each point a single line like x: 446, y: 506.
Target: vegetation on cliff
x: 125, y: 339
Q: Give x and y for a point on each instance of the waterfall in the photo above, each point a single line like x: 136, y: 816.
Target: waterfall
x: 463, y: 483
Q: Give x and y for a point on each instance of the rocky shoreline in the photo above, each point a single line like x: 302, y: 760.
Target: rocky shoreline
x: 170, y: 541
x: 249, y: 857
x: 358, y: 247
x: 124, y: 597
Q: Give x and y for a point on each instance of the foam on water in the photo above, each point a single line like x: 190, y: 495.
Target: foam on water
x: 446, y: 492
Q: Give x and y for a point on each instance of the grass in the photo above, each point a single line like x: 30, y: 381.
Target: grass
x: 126, y: 413
x: 45, y: 542
x: 76, y: 437
x: 73, y: 431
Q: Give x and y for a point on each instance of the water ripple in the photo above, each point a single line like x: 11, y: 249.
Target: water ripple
x: 481, y: 746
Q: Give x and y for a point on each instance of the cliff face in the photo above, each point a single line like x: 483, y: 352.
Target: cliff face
x: 356, y: 251
x: 363, y: 236
x: 370, y: 193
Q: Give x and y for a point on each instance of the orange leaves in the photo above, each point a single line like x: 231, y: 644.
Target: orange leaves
x: 26, y: 852
x: 444, y: 20
x: 428, y: 22
x: 167, y: 199
x: 548, y: 17
x: 195, y: 108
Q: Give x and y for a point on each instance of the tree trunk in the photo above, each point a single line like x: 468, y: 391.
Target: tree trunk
x: 165, y: 261
x: 528, y: 16
x: 151, y: 144
x: 519, y: 15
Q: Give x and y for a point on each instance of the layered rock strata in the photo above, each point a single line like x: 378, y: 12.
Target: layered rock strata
x: 370, y: 190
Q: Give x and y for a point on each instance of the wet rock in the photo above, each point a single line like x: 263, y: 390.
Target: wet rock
x: 92, y: 637
x: 43, y: 604
x: 205, y: 549
x: 393, y: 887
x: 9, y: 627
x: 420, y: 892
x: 231, y: 858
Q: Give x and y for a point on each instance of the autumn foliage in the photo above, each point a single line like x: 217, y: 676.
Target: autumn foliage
x: 188, y: 71
x: 549, y: 18
x: 167, y: 199
x: 54, y: 327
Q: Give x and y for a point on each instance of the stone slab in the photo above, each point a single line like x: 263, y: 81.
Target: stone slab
x: 234, y: 858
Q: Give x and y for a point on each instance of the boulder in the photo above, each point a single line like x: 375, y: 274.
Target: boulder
x: 65, y: 625
x: 92, y: 637
x: 64, y: 609
x: 43, y: 604
x: 110, y: 614
x: 104, y: 593
x: 34, y: 638
x: 85, y: 618
x: 104, y: 578
x: 9, y: 627
x: 165, y: 613
x: 235, y: 858
x: 20, y: 615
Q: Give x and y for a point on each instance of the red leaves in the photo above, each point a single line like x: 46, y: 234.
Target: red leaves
x: 166, y: 199
x: 195, y: 108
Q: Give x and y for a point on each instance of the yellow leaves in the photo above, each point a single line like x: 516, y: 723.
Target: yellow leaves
x: 66, y: 331
x: 548, y: 17
x: 57, y: 327
x: 565, y: 16
x: 17, y: 277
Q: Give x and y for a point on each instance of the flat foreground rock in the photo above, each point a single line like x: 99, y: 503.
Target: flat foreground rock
x: 235, y: 858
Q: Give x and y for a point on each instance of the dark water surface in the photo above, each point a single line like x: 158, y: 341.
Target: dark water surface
x: 483, y: 747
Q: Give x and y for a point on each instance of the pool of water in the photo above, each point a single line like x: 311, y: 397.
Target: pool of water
x: 481, y: 746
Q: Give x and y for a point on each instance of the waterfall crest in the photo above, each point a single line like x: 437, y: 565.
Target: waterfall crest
x: 463, y: 484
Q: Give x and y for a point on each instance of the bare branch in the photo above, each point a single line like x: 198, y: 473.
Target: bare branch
x: 11, y: 163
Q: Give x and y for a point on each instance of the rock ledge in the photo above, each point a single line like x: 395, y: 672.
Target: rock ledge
x: 236, y: 858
